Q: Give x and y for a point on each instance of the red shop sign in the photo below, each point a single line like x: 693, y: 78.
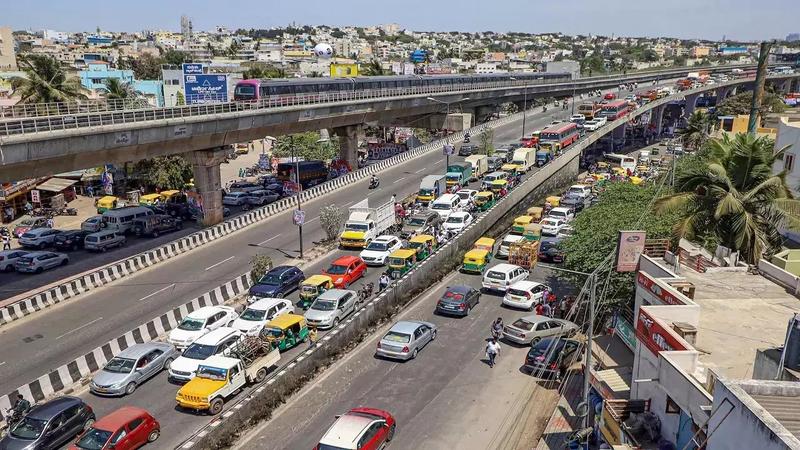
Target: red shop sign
x: 655, y: 336
x: 647, y: 282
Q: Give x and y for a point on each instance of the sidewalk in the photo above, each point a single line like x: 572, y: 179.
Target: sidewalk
x: 563, y: 421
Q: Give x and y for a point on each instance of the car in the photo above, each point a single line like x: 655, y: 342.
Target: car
x: 458, y: 221
x: 630, y: 98
x: 601, y: 120
x: 359, y: 428
x: 379, y: 249
x: 237, y: 198
x: 200, y: 322
x: 505, y: 153
x: 70, y: 239
x: 156, y: 225
x: 345, y: 270
x: 525, y: 294
x: 446, y: 205
x: 467, y: 197
x: 9, y: 257
x: 505, y: 244
x: 331, y: 307
x: 581, y: 190
x: 258, y: 313
x: 50, y: 425
x: 458, y: 300
x: 591, y: 125
x: 261, y: 197
x: 38, y: 262
x: 609, y: 96
x: 93, y: 224
x: 549, y: 251
x: 27, y: 225
x: 278, y: 282
x: 244, y: 186
x: 573, y: 202
x: 566, y: 230
x: 551, y: 226
x: 131, y: 367
x: 552, y: 356
x: 577, y: 118
x: 467, y: 150
x: 562, y: 213
x: 420, y: 223
x: 532, y: 329
x: 494, y: 163
x: 212, y: 343
x: 405, y: 339
x: 103, y: 240
x: 127, y: 428
x: 501, y: 276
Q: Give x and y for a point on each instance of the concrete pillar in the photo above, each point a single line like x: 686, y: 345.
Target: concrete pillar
x: 690, y: 105
x: 722, y: 93
x: 207, y: 181
x: 658, y: 119
x: 348, y: 143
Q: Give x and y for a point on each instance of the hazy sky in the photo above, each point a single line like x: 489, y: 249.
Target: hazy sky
x: 736, y: 19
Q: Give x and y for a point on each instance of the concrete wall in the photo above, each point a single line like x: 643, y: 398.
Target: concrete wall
x: 772, y: 272
x: 789, y: 135
x: 788, y: 260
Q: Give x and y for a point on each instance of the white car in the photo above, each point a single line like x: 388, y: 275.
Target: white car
x: 580, y: 119
x: 562, y: 213
x: 258, y: 313
x: 467, y: 197
x: 566, y: 231
x: 551, y: 226
x: 524, y: 294
x: 216, y: 342
x: 235, y: 198
x: 200, y: 322
x: 458, y: 221
x: 379, y: 249
x: 582, y: 190
x: 501, y: 276
x: 9, y: 257
x: 505, y: 244
x: 591, y: 125
x: 38, y: 238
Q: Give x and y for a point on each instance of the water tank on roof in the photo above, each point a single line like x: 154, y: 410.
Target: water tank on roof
x: 792, y: 352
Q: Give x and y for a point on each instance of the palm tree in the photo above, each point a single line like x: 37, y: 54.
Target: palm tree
x: 372, y: 69
x: 119, y: 90
x: 733, y: 198
x: 696, y: 132
x: 45, y: 81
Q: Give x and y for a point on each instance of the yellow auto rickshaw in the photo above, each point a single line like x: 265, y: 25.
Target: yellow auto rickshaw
x: 484, y: 243
x: 285, y: 331
x: 510, y: 168
x: 166, y: 195
x: 106, y: 203
x: 536, y: 213
x: 476, y: 261
x: 424, y: 244
x: 312, y: 287
x: 519, y: 224
x: 619, y: 171
x: 149, y: 199
x: 499, y: 187
x: 602, y: 165
x: 484, y: 200
x: 401, y: 262
x: 636, y: 180
x: 532, y: 232
x: 553, y: 200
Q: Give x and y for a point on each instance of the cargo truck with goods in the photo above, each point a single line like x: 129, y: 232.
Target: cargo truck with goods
x: 589, y: 109
x: 430, y: 188
x: 365, y: 224
x: 543, y: 155
x: 311, y: 172
x: 458, y: 173
x: 524, y: 159
x: 480, y: 166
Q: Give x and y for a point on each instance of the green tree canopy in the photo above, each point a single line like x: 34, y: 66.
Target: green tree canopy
x: 119, y: 90
x: 164, y: 172
x: 739, y: 104
x: 307, y: 147
x: 263, y: 71
x: 696, y: 132
x: 175, y: 57
x: 45, y: 81
x: 147, y: 67
x: 372, y: 69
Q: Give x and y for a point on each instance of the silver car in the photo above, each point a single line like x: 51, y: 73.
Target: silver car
x: 405, y: 339
x: 331, y: 307
x: 38, y: 262
x: 132, y: 367
x: 531, y: 329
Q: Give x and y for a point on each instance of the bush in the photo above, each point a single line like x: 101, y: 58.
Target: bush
x: 332, y: 219
x: 260, y: 265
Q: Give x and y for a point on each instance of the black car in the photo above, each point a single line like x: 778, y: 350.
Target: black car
x: 552, y: 356
x: 156, y: 225
x: 574, y: 201
x: 50, y: 425
x: 458, y: 300
x: 467, y: 150
x: 70, y: 240
x: 278, y: 282
x: 549, y: 251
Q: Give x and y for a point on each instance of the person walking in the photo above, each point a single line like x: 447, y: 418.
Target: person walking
x: 492, y: 350
x: 547, y: 310
x: 6, y: 242
x: 383, y: 282
x: 312, y: 336
x: 497, y: 328
x: 539, y: 309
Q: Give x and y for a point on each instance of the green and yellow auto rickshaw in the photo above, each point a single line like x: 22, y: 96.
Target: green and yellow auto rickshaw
x: 107, y: 203
x: 484, y: 200
x: 149, y: 199
x: 536, y: 213
x: 401, y: 262
x: 532, y: 232
x: 499, y: 187
x: 424, y: 244
x: 476, y: 261
x: 519, y: 224
x: 312, y: 287
x: 484, y: 243
x: 285, y: 331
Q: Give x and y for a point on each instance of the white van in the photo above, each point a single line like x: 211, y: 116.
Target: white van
x: 121, y: 219
x: 501, y: 276
x: 446, y: 205
x: 505, y: 244
x: 103, y: 240
x: 525, y: 158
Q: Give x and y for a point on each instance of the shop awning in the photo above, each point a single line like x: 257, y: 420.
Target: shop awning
x: 613, y: 383
x: 55, y: 184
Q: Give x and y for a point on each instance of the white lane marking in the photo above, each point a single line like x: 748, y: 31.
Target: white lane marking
x: 311, y: 220
x: 2, y: 363
x: 421, y: 170
x: 157, y: 292
x: 221, y: 262
x: 80, y: 327
x: 439, y: 160
x: 267, y: 240
x: 400, y: 179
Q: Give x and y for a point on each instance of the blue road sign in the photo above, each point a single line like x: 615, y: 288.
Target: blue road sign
x: 207, y: 88
x: 192, y: 68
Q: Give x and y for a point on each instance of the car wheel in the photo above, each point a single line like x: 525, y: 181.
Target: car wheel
x: 167, y: 363
x: 64, y: 262
x: 39, y: 269
x: 390, y: 434
x: 42, y: 246
x: 8, y: 268
x: 535, y: 341
x: 130, y: 388
x: 335, y: 322
x: 261, y: 375
x: 216, y: 406
x: 88, y: 424
x: 433, y: 335
x: 469, y: 309
x: 414, y: 353
x: 155, y: 234
x: 153, y: 436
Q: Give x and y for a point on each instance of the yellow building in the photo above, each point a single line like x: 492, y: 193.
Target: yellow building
x: 700, y: 51
x: 738, y: 124
x: 340, y: 70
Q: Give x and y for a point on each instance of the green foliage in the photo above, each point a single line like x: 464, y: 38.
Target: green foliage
x: 119, y: 90
x: 422, y: 134
x: 263, y: 71
x: 146, y: 67
x: 45, y: 81
x: 593, y: 64
x: 696, y: 132
x: 332, y: 219
x: 259, y: 266
x: 739, y: 104
x: 164, y: 172
x: 180, y: 100
x: 175, y: 57
x: 371, y: 69
x: 486, y: 141
x: 307, y: 147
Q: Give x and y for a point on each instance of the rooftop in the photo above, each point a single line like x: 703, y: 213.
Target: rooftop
x: 775, y: 403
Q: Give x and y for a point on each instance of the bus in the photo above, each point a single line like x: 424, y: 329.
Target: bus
x: 614, y: 110
x: 589, y: 109
x: 623, y: 161
x: 562, y: 134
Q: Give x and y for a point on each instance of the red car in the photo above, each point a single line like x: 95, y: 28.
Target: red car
x: 127, y: 428
x: 610, y: 96
x: 360, y: 428
x: 346, y: 270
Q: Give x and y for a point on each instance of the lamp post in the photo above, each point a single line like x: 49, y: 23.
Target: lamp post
x: 524, y: 105
x: 447, y: 104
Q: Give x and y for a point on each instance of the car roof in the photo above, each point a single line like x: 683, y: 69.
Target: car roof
x: 459, y: 289
x: 335, y: 294
x: 346, y: 430
x: 39, y: 230
x: 47, y: 410
x: 35, y: 254
x: 525, y: 284
x: 504, y: 267
x: 512, y: 237
x: 264, y: 303
x: 280, y: 269
x: 345, y: 260
x: 139, y: 350
x: 535, y: 318
x: 446, y: 198
x: 560, y: 209
x: 406, y: 326
x: 213, y: 337
x: 118, y: 418
x: 384, y: 238
x: 459, y: 213
x: 205, y: 312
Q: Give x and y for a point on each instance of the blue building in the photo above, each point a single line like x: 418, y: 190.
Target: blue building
x: 98, y: 73
x: 727, y: 51
x: 152, y: 90
x: 98, y: 40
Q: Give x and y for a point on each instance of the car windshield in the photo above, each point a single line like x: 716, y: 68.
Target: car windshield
x: 199, y: 351
x: 329, y: 447
x: 443, y: 206
x: 269, y: 331
x: 28, y: 428
x: 551, y: 223
x: 93, y: 439
x: 523, y: 324
x: 426, y: 192
x: 356, y: 227
x: 271, y: 280
x: 457, y: 296
x: 26, y: 223
x: 377, y: 246
x: 253, y: 314
x: 212, y: 373
x: 544, y: 349
x: 120, y: 365
x: 192, y: 324
x: 324, y: 305
x: 336, y: 269
x: 519, y: 292
x: 558, y: 213
x: 417, y: 221
x: 455, y: 219
x: 463, y: 195
x: 394, y: 336
x: 495, y: 275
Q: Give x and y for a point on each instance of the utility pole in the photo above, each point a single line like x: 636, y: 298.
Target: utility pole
x: 758, y: 90
x: 589, y: 339
x: 299, y: 189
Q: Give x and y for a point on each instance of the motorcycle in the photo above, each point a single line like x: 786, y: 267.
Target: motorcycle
x: 12, y: 418
x: 366, y: 291
x: 544, y: 108
x: 374, y: 183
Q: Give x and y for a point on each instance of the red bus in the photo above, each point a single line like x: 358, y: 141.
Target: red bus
x: 614, y: 110
x: 562, y: 134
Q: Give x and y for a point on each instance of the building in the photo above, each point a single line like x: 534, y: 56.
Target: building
x: 96, y: 39
x: 789, y: 135
x: 172, y: 77
x: 571, y: 67
x: 488, y: 67
x: 700, y: 51
x: 8, y: 58
x: 186, y: 28
x: 98, y: 73
x: 793, y: 37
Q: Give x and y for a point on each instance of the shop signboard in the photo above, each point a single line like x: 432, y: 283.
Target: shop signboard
x: 655, y: 336
x: 630, y: 246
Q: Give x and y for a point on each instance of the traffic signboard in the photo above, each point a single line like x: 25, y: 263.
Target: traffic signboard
x: 299, y: 217
x: 200, y: 89
x: 192, y: 68
x: 448, y: 149
x: 35, y: 198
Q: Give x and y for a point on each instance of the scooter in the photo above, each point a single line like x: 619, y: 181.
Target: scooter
x: 374, y: 183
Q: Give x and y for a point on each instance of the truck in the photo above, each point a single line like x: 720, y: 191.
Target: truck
x: 220, y: 377
x: 524, y: 158
x: 311, y: 172
x: 365, y: 224
x: 458, y: 173
x: 430, y: 188
x: 543, y: 155
x: 480, y: 166
x: 589, y: 109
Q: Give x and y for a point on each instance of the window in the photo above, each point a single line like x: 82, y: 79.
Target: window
x: 135, y: 423
x: 672, y: 407
x: 118, y: 437
x: 788, y: 162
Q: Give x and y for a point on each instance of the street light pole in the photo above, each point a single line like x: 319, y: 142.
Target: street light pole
x: 299, y: 189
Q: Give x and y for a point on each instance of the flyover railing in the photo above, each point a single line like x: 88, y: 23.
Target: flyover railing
x: 25, y: 110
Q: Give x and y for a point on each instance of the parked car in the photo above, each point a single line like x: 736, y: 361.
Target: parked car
x: 50, y: 425
x: 359, y: 428
x: 127, y: 428
x: 379, y: 249
x: 551, y: 226
x: 420, y: 223
x: 458, y: 221
x: 213, y: 343
x: 524, y: 294
x: 156, y: 225
x: 237, y: 198
x: 345, y: 270
x: 40, y: 238
x: 501, y: 276
x: 331, y: 307
x: 93, y: 224
x: 552, y: 356
x: 9, y: 257
x: 458, y: 300
x: 261, y: 197
x: 200, y: 322
x: 132, y: 367
x: 70, y: 240
x: 103, y: 240
x: 549, y: 251
x: 278, y: 282
x: 38, y: 262
x: 532, y: 329
x: 261, y: 311
x: 405, y: 339
x: 27, y: 225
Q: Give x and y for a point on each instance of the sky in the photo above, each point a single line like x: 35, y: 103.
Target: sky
x: 746, y: 20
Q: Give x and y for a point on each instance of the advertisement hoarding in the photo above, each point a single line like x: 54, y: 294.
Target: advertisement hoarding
x: 199, y: 89
x: 630, y: 246
x: 655, y: 336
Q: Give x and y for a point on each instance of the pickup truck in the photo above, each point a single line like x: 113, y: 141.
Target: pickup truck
x: 221, y: 377
x: 458, y: 174
x: 365, y: 224
x: 430, y: 188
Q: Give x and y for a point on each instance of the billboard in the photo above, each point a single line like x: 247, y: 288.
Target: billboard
x: 199, y: 89
x: 344, y: 70
x: 630, y: 246
x: 656, y: 336
x: 192, y: 68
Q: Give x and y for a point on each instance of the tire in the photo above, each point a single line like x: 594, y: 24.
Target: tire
x: 433, y: 335
x: 216, y: 406
x: 390, y: 434
x: 42, y: 246
x: 153, y: 436
x: 261, y: 375
x: 130, y: 388
x: 40, y: 269
x: 535, y: 341
x: 65, y: 262
x: 155, y: 234
x: 414, y: 353
x: 469, y: 309
x: 88, y: 424
x: 167, y: 363
x: 335, y: 322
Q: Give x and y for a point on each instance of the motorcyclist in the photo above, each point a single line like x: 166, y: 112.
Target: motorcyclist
x: 20, y: 408
x: 466, y: 137
x: 373, y: 181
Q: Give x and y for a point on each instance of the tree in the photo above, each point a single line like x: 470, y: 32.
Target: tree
x: 164, y: 172
x: 45, y: 81
x: 696, y: 132
x: 175, y: 57
x: 739, y: 104
x: 331, y: 218
x: 259, y: 266
x: 372, y: 69
x: 147, y: 67
x: 486, y: 139
x: 263, y: 71
x: 307, y: 147
x: 119, y: 90
x: 733, y: 198
x: 234, y: 49
x: 180, y: 99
